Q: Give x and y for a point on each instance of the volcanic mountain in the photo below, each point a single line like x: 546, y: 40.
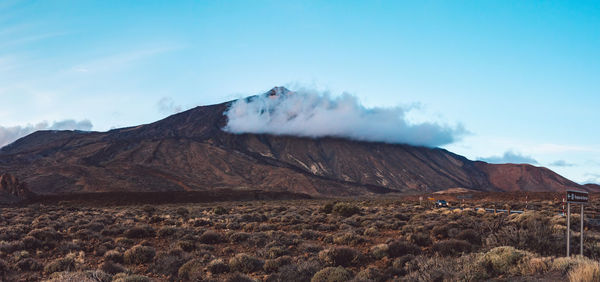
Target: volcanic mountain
x: 189, y: 151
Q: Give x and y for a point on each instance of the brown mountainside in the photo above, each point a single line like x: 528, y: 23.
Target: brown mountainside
x: 189, y: 152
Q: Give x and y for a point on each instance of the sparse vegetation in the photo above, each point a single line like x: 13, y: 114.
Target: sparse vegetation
x: 318, y: 240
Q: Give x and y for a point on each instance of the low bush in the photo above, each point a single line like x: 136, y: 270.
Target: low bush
x: 340, y: 256
x: 210, y: 237
x: 143, y: 231
x: 220, y: 210
x: 114, y: 256
x: 401, y: 248
x: 272, y: 265
x: 218, y: 266
x: 332, y: 274
x: 191, y: 270
x: 122, y: 277
x: 139, y: 254
x: 28, y: 264
x: 168, y: 263
x: 371, y: 274
x: 451, y: 247
x: 61, y: 264
x: 245, y: 263
x: 345, y: 209
x: 586, y: 271
x: 112, y: 267
x: 380, y: 251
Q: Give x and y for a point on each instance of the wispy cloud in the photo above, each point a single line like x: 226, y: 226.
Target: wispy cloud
x: 561, y: 148
x: 30, y: 38
x: 592, y: 178
x: 510, y: 157
x: 561, y: 163
x: 118, y: 60
x: 10, y: 134
x: 167, y: 105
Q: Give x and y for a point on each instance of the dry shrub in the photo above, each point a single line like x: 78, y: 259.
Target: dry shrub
x: 4, y: 268
x: 272, y: 265
x: 245, y: 263
x: 112, y: 268
x: 210, y: 237
x: 506, y: 260
x: 47, y: 237
x: 219, y: 210
x: 27, y: 264
x: 451, y: 247
x: 61, y: 264
x: 191, y: 271
x: 139, y: 254
x: 299, y: 272
x: 470, y: 236
x: 434, y: 268
x: 168, y: 263
x: 238, y: 277
x: 345, y: 209
x: 327, y: 208
x: 380, y: 251
x: 143, y: 231
x: 276, y: 251
x: 401, y: 248
x: 332, y: 274
x: 528, y: 231
x: 218, y: 266
x: 586, y: 271
x: 310, y: 234
x: 166, y: 231
x: 87, y: 276
x: 122, y: 277
x: 420, y: 238
x: 186, y: 245
x: 340, y: 256
x: 114, y: 256
x: 371, y: 274
x: 348, y: 239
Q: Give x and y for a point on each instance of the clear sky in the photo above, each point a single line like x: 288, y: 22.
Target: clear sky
x: 523, y: 77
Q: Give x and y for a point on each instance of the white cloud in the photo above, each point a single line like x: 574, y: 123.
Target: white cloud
x: 310, y: 113
x: 510, y: 157
x: 561, y: 163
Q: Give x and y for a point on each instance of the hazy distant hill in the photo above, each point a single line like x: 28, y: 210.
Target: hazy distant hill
x: 189, y: 151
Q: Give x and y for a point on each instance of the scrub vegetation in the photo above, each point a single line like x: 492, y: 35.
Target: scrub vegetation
x: 291, y: 240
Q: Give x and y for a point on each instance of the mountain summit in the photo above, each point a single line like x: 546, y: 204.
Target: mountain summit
x: 189, y: 151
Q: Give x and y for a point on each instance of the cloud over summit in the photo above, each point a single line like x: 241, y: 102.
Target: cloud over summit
x: 309, y: 113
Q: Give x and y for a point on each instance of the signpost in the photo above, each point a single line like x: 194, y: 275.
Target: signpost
x: 575, y: 197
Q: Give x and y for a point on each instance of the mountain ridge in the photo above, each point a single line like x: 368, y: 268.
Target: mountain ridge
x: 189, y: 151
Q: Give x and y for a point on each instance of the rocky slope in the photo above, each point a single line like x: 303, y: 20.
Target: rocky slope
x: 12, y: 190
x: 189, y: 152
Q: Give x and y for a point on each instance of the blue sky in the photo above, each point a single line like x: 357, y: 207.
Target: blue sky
x: 521, y: 76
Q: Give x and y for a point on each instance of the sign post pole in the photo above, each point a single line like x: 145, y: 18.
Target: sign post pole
x: 576, y: 197
x: 581, y: 239
x: 568, y: 229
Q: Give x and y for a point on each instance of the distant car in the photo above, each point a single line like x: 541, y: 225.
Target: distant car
x: 441, y: 204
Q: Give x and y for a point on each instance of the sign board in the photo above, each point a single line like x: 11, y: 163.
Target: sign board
x: 577, y: 197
